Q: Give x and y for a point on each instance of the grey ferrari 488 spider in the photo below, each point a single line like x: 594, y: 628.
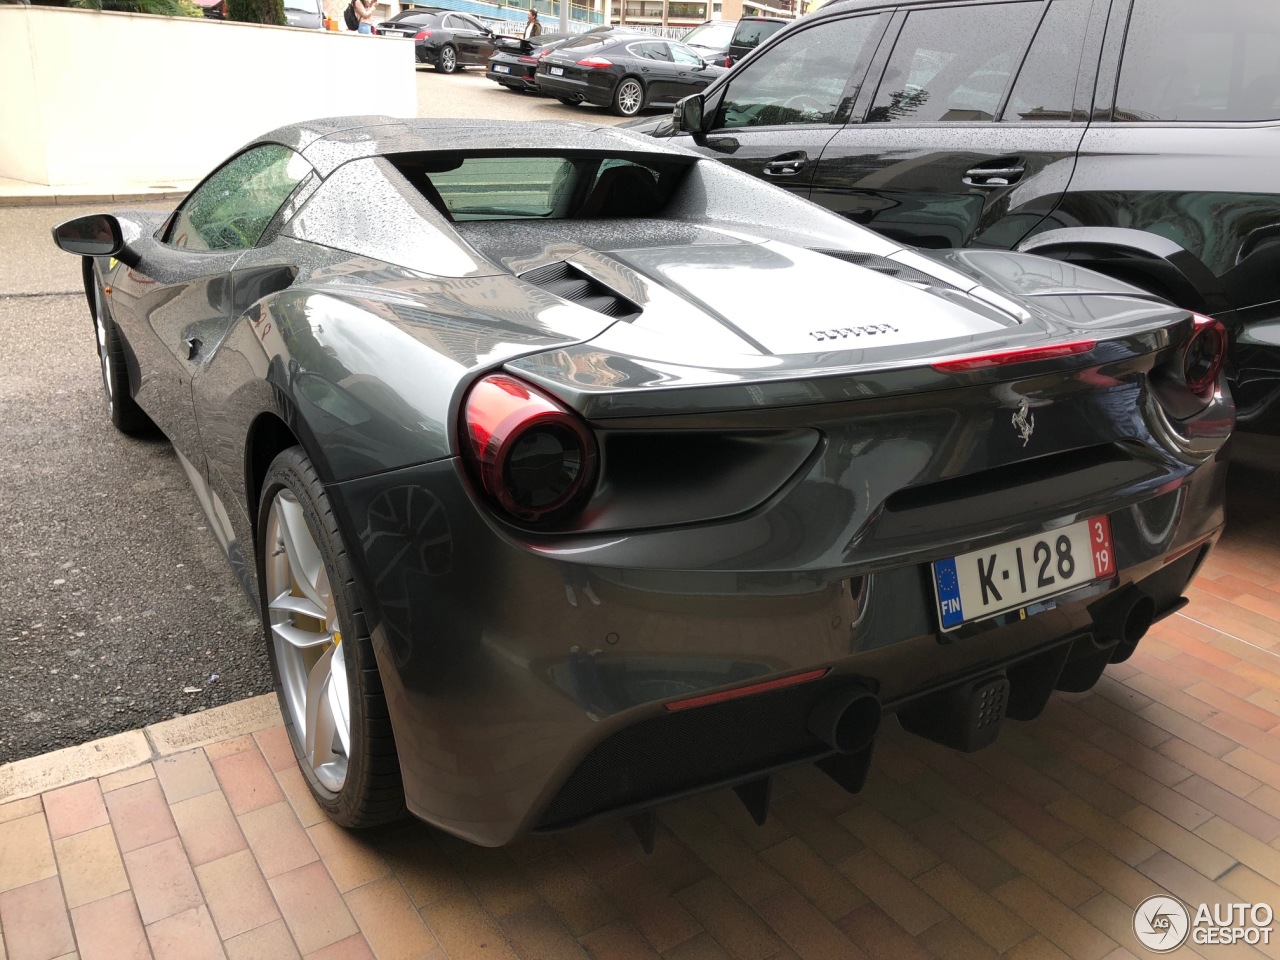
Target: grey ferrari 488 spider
x: 575, y: 477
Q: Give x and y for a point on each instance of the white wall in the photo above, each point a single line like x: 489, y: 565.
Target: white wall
x: 112, y: 99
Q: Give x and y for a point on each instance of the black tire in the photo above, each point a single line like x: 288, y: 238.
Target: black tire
x: 447, y: 61
x: 373, y: 792
x: 568, y: 101
x: 126, y: 415
x: 628, y: 97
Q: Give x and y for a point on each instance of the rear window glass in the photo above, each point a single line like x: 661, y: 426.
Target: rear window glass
x: 1045, y: 89
x: 586, y: 42
x: 954, y: 63
x: 713, y: 35
x: 751, y: 33
x: 1193, y: 60
x: 543, y: 187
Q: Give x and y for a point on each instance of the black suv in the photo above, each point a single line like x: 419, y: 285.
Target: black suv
x: 1137, y: 137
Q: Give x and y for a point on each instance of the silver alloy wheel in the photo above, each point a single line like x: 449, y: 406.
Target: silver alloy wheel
x: 630, y: 97
x: 308, y: 642
x: 104, y: 348
x: 448, y: 60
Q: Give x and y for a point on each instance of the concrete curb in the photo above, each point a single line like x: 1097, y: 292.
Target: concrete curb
x: 35, y: 775
x: 76, y: 199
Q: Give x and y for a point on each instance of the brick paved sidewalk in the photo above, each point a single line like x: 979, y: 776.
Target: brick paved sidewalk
x: 1166, y: 778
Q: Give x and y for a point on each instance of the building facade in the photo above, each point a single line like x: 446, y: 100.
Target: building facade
x: 689, y: 13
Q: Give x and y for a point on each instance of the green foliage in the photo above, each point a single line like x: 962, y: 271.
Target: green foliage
x: 256, y: 11
x: 164, y: 8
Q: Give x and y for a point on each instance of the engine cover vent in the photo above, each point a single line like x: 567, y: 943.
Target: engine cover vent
x: 568, y: 282
x: 890, y: 268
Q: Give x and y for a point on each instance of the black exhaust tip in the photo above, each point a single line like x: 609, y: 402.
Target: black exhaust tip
x: 1120, y: 622
x: 847, y: 720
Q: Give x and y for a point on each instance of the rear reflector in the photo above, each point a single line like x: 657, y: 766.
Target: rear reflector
x: 1026, y: 355
x: 701, y: 701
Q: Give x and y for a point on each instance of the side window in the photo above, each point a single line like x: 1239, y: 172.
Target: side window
x: 801, y: 79
x: 651, y: 51
x: 1197, y: 61
x: 954, y: 63
x: 231, y: 210
x: 683, y: 55
x: 1045, y: 88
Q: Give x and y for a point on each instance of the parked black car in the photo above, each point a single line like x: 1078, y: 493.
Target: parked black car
x: 749, y: 33
x: 627, y: 73
x: 446, y: 39
x: 515, y: 61
x: 1137, y: 137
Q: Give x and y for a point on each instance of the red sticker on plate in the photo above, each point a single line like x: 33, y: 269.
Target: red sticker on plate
x: 1104, y: 556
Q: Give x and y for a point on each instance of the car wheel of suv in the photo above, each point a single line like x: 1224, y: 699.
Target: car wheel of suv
x: 126, y: 415
x: 318, y: 643
x: 448, y: 62
x: 628, y: 98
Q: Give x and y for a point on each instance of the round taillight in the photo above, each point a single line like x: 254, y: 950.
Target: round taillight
x: 532, y: 456
x: 1204, y: 355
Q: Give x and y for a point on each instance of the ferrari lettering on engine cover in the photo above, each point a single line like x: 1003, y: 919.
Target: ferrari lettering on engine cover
x: 843, y: 333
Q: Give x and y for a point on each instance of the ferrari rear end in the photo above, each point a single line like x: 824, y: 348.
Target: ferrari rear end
x: 971, y: 483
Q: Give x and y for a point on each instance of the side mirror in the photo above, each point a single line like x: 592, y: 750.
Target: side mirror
x: 687, y: 115
x: 97, y: 235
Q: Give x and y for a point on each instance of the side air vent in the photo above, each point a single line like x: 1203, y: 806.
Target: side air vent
x: 890, y: 268
x: 568, y: 282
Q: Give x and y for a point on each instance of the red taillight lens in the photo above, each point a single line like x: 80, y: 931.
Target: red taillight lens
x: 728, y: 61
x: 422, y: 34
x: 528, y: 59
x: 1026, y: 355
x: 1204, y: 355
x: 595, y: 62
x: 530, y: 454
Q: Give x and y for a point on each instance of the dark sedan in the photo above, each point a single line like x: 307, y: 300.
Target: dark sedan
x: 626, y: 73
x: 446, y: 39
x: 577, y: 476
x: 515, y: 61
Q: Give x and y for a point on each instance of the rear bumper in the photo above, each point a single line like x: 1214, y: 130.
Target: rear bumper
x: 597, y: 89
x: 519, y: 80
x: 528, y: 686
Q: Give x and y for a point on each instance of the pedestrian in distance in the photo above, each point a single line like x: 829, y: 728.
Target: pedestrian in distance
x: 364, y: 13
x: 532, y: 27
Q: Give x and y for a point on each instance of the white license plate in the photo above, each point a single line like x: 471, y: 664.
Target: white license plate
x: 556, y: 72
x: 498, y: 69
x: 1013, y: 575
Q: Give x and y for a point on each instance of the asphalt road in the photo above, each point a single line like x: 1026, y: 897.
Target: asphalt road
x: 117, y: 608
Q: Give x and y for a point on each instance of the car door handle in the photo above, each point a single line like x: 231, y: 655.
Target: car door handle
x: 786, y: 166
x: 193, y: 346
x: 981, y: 176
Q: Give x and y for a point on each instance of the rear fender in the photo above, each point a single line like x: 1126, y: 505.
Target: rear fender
x: 1147, y: 260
